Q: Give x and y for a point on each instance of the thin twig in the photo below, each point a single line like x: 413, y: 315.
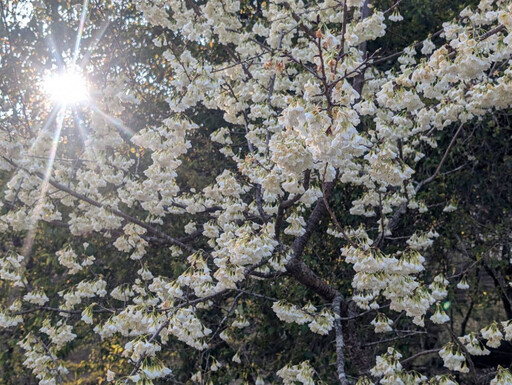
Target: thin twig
x: 423, y: 353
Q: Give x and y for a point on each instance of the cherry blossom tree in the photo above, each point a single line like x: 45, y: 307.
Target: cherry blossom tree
x: 310, y: 108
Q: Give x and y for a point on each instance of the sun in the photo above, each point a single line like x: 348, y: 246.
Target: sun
x: 67, y: 87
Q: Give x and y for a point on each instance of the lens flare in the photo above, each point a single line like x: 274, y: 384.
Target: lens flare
x: 66, y: 88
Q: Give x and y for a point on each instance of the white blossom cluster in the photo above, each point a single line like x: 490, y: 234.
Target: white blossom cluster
x: 12, y: 269
x: 188, y: 328
x: 319, y: 322
x: 60, y: 334
x: 36, y: 297
x: 84, y: 289
x: 503, y: 377
x: 68, y: 258
x: 390, y: 371
x: 7, y: 320
x: 395, y: 279
x: 382, y: 324
x: 453, y: 358
x: 302, y: 373
x: 42, y: 362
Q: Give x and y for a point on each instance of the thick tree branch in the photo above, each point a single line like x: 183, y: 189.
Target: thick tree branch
x: 296, y: 267
x: 340, y: 344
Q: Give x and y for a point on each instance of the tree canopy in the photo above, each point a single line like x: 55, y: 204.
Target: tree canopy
x: 255, y: 192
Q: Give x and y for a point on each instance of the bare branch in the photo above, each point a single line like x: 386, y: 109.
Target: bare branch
x: 420, y: 354
x: 440, y: 165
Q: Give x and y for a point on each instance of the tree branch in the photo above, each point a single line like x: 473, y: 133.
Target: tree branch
x: 423, y: 353
x: 402, y: 209
x: 340, y: 344
x: 296, y: 267
x: 117, y: 212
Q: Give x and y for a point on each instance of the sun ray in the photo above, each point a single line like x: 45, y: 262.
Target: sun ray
x: 49, y: 120
x: 94, y: 43
x: 84, y: 134
x: 66, y: 89
x: 55, y: 52
x: 29, y: 240
x: 116, y: 122
x: 83, y: 16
